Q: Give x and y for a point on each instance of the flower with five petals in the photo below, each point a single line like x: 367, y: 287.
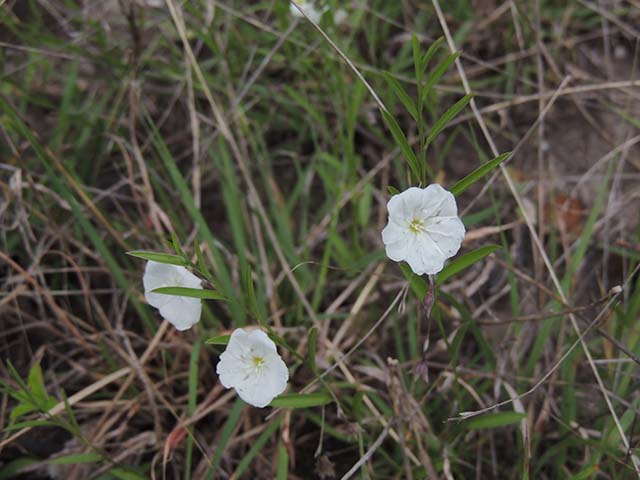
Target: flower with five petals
x: 424, y: 229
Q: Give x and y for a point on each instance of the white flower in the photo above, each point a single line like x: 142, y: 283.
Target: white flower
x: 252, y: 366
x: 181, y: 312
x: 424, y: 229
x: 340, y: 16
x: 309, y: 8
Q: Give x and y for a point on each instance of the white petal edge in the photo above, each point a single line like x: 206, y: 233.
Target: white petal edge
x: 181, y: 312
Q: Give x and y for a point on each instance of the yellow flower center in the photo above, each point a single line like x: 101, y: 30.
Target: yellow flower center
x: 416, y: 225
x: 258, y: 362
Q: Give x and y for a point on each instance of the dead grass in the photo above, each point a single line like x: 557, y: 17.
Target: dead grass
x: 254, y: 138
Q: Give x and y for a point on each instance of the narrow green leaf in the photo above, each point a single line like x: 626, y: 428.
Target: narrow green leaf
x: 190, y: 292
x: 478, y: 173
x: 402, y: 95
x: 392, y: 190
x: 312, y: 346
x: 11, y: 468
x: 76, y: 458
x: 159, y: 257
x: 403, y: 143
x: 420, y: 66
x: 433, y: 48
x: 225, y: 436
x: 175, y: 243
x: 301, y: 400
x: 36, y: 384
x: 191, y: 404
x: 418, y: 284
x: 415, y: 46
x: 437, y: 73
x: 123, y: 474
x: 447, y: 117
x: 493, y: 420
x: 282, y: 469
x: 255, y: 448
x: 28, y: 423
x: 251, y: 295
x: 465, y: 261
x: 219, y: 340
x: 21, y: 410
x: 202, y: 265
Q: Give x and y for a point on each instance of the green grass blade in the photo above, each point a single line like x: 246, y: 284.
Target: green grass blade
x: 465, y: 261
x: 219, y: 340
x: 447, y: 117
x: 494, y: 420
x: 225, y: 436
x: 190, y: 292
x: 282, y: 466
x: 301, y: 400
x: 403, y: 144
x: 402, y: 95
x: 464, y: 183
x: 159, y: 257
x: 257, y: 446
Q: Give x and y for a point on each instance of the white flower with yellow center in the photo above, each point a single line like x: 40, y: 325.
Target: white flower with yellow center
x: 309, y: 8
x: 424, y: 229
x: 181, y: 312
x: 252, y: 366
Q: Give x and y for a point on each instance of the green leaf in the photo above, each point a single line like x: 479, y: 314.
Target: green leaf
x: 75, y: 458
x: 415, y: 46
x: 123, y: 474
x: 190, y: 292
x: 312, y: 345
x: 465, y: 261
x: 202, y: 265
x: 256, y: 447
x: 175, y: 243
x: 402, y: 95
x: 28, y: 423
x: 437, y: 73
x: 440, y: 69
x: 21, y: 410
x: 403, y: 143
x: 392, y: 190
x: 11, y: 468
x: 227, y: 432
x: 493, y: 420
x: 417, y: 283
x: 159, y: 257
x: 433, y: 48
x: 219, y: 340
x: 301, y: 400
x: 282, y: 465
x: 36, y: 384
x: 250, y: 292
x: 478, y: 173
x: 447, y: 117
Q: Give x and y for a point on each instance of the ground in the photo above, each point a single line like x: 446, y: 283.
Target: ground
x: 262, y: 147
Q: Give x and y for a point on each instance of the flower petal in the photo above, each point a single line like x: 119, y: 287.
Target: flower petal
x: 393, y: 232
x: 257, y: 383
x: 439, y: 202
x: 402, y: 207
x: 425, y: 257
x: 447, y: 234
x: 182, y: 312
x: 232, y: 370
x: 258, y: 337
x: 400, y: 250
x: 263, y: 388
